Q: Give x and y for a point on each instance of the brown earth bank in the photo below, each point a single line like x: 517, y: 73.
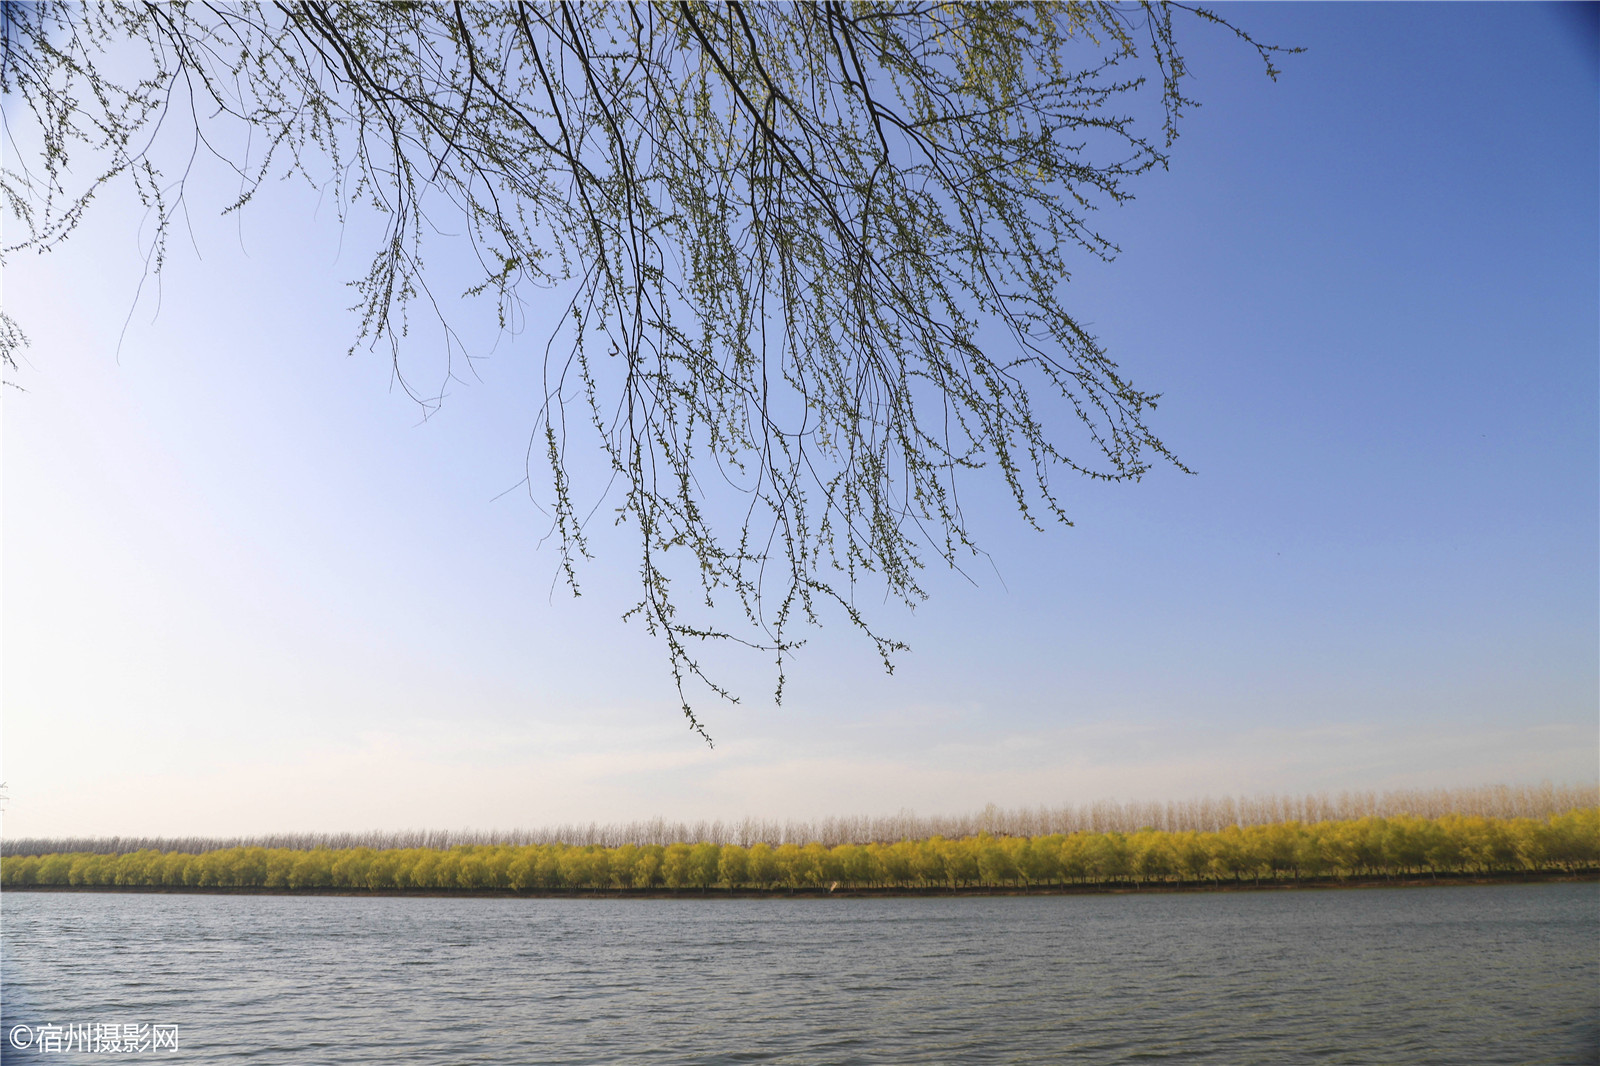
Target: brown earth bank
x: 822, y: 892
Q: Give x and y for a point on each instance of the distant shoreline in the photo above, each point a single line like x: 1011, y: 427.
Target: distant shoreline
x: 1127, y: 888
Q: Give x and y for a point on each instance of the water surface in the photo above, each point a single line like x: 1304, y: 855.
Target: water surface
x: 1457, y: 975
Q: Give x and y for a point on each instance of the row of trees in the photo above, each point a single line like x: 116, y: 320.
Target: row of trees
x: 1205, y: 814
x: 1367, y: 847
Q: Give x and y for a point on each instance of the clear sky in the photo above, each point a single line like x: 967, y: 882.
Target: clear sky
x: 247, y: 588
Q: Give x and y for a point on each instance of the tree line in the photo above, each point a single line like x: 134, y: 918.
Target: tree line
x: 1371, y: 847
x: 1205, y: 814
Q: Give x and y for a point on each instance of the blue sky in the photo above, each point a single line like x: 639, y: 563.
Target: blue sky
x: 247, y: 587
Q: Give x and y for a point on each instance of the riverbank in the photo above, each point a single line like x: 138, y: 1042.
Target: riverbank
x: 1380, y: 851
x: 863, y: 892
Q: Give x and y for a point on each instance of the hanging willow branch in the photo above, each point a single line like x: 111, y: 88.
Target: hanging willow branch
x: 809, y: 255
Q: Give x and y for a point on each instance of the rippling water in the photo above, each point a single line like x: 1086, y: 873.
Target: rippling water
x: 1469, y: 975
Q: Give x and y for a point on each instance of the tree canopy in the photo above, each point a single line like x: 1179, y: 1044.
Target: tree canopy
x: 1284, y: 852
x: 797, y: 269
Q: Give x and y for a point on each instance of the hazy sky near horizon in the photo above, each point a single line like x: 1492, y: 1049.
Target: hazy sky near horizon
x: 248, y: 588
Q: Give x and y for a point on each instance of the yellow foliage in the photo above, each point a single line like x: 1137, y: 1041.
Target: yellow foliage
x: 1287, y: 851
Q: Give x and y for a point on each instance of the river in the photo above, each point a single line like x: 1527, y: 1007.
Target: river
x: 1456, y: 975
